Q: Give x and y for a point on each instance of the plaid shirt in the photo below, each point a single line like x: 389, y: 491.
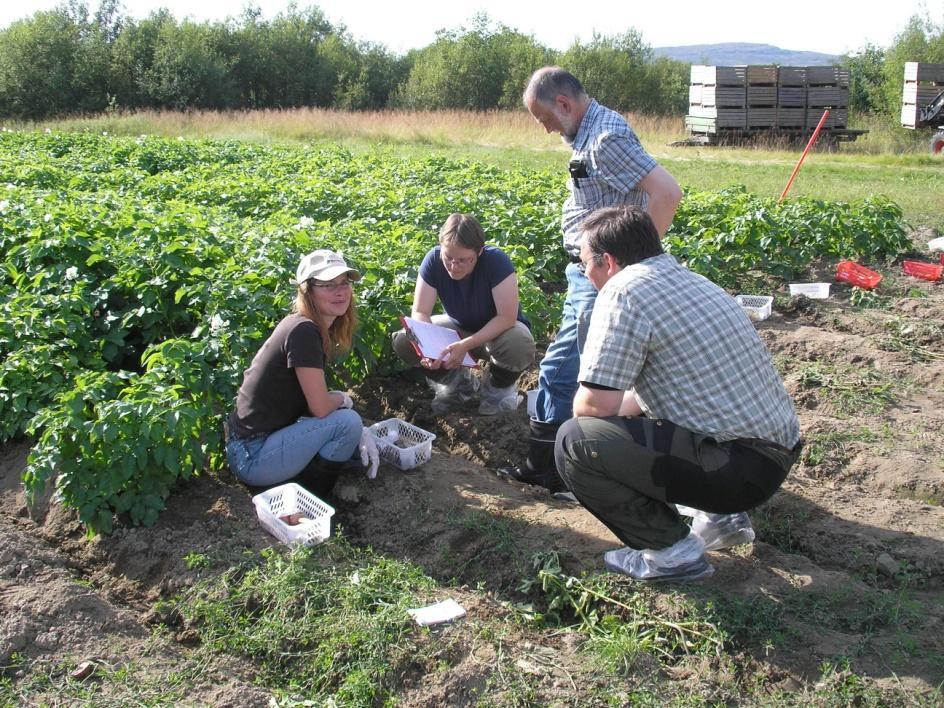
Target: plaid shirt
x: 614, y: 161
x: 689, y: 351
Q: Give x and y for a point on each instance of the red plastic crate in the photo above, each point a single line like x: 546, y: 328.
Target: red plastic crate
x: 925, y: 271
x: 854, y: 274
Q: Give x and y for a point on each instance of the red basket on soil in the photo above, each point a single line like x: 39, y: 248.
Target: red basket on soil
x: 857, y: 275
x: 925, y: 271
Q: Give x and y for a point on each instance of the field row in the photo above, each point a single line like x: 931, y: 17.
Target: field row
x: 139, y: 276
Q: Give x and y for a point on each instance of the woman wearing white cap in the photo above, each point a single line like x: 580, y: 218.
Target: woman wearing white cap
x: 287, y: 423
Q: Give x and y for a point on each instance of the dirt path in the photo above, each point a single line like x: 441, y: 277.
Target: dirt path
x: 850, y: 552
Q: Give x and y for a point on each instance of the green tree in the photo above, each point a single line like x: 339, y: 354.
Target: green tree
x: 866, y: 79
x: 132, y: 58
x: 668, y: 81
x: 58, y: 62
x: 295, y: 59
x: 369, y: 78
x: 479, y: 68
x: 621, y: 72
x: 188, y: 69
x: 522, y: 57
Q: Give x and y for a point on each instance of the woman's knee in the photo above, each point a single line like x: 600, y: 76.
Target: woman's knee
x: 513, y: 350
x: 404, y: 348
x: 348, y: 420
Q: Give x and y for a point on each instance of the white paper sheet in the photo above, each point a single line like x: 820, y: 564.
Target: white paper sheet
x: 432, y: 339
x: 444, y: 611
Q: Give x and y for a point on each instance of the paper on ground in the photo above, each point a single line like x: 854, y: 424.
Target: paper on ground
x: 444, y: 611
x: 936, y: 244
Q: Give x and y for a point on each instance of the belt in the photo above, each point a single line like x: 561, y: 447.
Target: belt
x: 783, y: 455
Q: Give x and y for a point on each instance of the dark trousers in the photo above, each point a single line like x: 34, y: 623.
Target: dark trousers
x: 630, y: 472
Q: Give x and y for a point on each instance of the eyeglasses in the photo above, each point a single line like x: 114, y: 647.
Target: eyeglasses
x: 458, y: 261
x: 333, y: 287
x: 582, y: 266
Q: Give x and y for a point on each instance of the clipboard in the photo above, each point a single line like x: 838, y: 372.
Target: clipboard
x: 429, y: 339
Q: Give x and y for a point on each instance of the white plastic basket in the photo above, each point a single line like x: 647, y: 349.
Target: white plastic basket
x: 402, y: 444
x: 757, y: 307
x: 291, y: 498
x: 814, y: 291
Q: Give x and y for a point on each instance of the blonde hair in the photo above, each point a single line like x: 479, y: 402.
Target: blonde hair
x: 462, y: 230
x: 339, y: 337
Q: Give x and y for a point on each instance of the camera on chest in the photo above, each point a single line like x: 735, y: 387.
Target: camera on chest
x: 578, y: 170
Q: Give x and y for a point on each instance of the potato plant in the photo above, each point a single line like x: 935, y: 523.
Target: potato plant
x: 140, y: 275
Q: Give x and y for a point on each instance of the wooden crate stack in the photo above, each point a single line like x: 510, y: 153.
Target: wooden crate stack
x: 827, y: 87
x: 761, y: 97
x: 923, y: 82
x: 791, y: 97
x: 716, y: 98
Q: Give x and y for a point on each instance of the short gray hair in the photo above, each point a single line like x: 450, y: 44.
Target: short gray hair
x: 549, y: 82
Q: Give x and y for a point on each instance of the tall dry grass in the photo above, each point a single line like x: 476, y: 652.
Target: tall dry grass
x: 490, y: 129
x: 499, y: 130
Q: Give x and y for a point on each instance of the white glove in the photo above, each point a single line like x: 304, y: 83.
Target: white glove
x: 346, y: 402
x: 370, y: 458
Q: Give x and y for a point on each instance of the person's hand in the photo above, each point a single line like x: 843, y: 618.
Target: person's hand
x: 346, y: 400
x: 432, y: 364
x: 370, y: 458
x: 453, y: 355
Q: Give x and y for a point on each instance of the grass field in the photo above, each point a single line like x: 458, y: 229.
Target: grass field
x: 888, y: 160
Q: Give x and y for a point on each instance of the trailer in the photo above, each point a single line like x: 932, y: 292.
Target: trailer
x: 922, y: 101
x: 705, y: 134
x: 730, y: 105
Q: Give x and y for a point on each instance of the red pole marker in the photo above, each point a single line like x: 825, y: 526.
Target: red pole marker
x: 809, y: 145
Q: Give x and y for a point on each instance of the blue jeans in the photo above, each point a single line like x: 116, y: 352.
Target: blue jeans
x: 270, y: 459
x: 557, y: 377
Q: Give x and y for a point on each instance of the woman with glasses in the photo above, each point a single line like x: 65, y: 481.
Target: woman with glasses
x: 287, y: 425
x: 478, y: 289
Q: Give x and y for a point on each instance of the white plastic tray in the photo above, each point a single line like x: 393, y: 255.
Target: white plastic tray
x: 814, y: 291
x: 288, y: 499
x: 402, y: 444
x: 757, y: 307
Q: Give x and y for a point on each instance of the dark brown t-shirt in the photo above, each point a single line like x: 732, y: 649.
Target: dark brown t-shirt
x: 271, y: 397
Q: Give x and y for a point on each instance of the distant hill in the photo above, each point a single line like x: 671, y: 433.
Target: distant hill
x: 733, y: 53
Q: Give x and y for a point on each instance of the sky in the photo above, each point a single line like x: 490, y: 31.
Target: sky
x: 837, y: 27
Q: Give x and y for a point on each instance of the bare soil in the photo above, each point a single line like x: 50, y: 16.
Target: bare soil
x: 860, y: 517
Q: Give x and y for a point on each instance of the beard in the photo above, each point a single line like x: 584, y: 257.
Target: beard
x: 569, y: 130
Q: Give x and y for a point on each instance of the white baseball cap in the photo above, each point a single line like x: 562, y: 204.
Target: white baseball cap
x: 323, y: 265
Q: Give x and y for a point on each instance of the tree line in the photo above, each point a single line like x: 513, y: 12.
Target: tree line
x: 71, y: 60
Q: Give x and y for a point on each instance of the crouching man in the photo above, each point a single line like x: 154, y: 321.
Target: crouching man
x: 678, y: 403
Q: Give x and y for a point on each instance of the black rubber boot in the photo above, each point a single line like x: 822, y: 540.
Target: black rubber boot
x: 502, y: 378
x: 320, y: 475
x: 539, y: 468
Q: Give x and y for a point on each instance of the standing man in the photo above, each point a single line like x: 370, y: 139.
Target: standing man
x: 608, y: 167
x: 718, y: 433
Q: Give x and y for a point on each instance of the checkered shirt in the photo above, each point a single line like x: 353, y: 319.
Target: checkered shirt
x: 615, y: 163
x: 689, y: 351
